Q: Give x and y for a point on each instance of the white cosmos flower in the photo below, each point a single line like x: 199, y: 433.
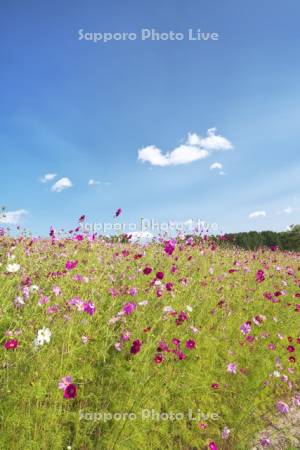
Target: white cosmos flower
x: 14, y: 267
x: 34, y: 288
x: 43, y: 336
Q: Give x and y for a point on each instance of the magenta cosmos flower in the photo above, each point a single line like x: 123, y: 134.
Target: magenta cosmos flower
x: 212, y: 446
x: 70, y: 391
x: 190, y: 344
x: 71, y: 264
x: 129, y: 308
x: 260, y: 276
x: 89, y: 308
x: 11, y: 344
x: 169, y: 247
x: 118, y: 212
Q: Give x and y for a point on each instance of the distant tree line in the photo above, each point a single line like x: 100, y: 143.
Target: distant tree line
x: 252, y: 240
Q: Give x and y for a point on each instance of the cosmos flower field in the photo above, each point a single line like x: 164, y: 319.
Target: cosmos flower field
x: 177, y: 344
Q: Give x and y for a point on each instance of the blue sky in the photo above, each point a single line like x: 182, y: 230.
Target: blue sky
x: 83, y: 110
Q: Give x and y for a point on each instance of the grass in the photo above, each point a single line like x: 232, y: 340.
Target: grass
x: 216, y: 300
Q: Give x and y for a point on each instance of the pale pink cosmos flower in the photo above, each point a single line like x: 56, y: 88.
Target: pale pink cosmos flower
x: 225, y: 433
x: 282, y: 407
x: 231, y: 368
x: 64, y: 382
x: 56, y: 291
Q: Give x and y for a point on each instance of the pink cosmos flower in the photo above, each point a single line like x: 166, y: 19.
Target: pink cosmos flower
x: 176, y: 342
x: 245, y: 328
x: 125, y: 336
x: 11, y: 344
x: 225, y: 433
x: 133, y: 292
x: 282, y: 407
x: 56, y: 290
x: 265, y: 442
x: 129, y: 307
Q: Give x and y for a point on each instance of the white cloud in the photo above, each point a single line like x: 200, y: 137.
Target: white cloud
x: 216, y: 165
x: 92, y: 182
x: 195, y: 148
x: 213, y: 141
x: 13, y: 217
x: 60, y: 185
x: 257, y: 214
x: 288, y: 210
x: 48, y: 177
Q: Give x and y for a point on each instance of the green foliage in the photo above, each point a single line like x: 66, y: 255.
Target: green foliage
x: 35, y: 416
x: 252, y: 240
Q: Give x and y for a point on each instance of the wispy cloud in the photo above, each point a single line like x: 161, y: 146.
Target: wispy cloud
x: 61, y: 184
x: 48, y: 177
x: 13, y: 217
x: 194, y: 148
x: 93, y: 182
x: 256, y: 214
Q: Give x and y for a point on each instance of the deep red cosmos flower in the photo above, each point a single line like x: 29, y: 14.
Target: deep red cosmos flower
x: 118, y: 212
x: 147, y: 270
x: 159, y: 275
x: 70, y: 391
x: 136, y: 346
x: 169, y: 286
x: 11, y: 344
x: 158, y: 359
x: 291, y: 348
